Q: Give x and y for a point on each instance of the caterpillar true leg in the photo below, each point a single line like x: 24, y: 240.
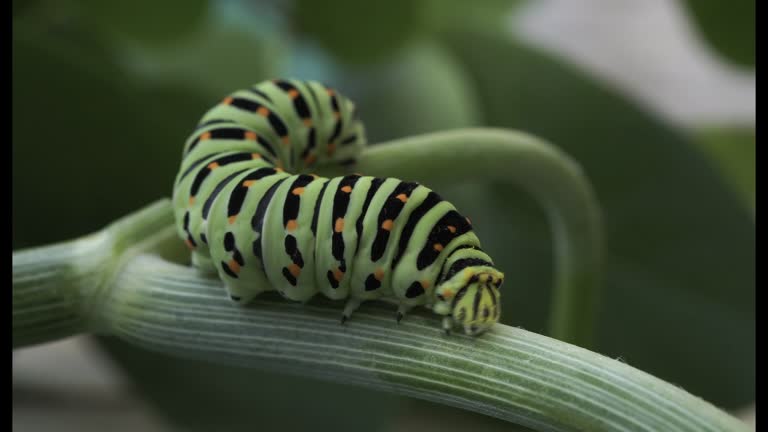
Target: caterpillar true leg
x: 401, y: 311
x: 447, y: 325
x: 248, y: 209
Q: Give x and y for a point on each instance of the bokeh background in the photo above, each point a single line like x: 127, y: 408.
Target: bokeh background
x: 656, y: 100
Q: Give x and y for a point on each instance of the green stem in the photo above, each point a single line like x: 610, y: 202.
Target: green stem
x: 551, y: 176
x: 55, y: 287
x: 507, y: 373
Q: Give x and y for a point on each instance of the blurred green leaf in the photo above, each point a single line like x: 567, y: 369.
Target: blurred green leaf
x: 88, y: 140
x: 216, y: 60
x: 728, y: 26
x: 371, y: 33
x: 423, y: 89
x: 679, y: 296
x: 492, y: 17
x: 146, y: 21
x: 19, y: 7
x: 359, y: 32
x: 733, y: 151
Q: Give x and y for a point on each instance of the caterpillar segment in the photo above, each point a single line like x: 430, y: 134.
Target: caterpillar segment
x: 249, y: 209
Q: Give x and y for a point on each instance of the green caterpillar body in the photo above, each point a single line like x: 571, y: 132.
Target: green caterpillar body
x: 352, y: 237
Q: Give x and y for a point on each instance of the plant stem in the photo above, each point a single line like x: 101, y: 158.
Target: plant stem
x: 548, y: 174
x: 55, y: 287
x: 48, y: 294
x: 507, y: 373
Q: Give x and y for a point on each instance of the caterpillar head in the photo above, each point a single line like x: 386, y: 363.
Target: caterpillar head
x: 470, y: 299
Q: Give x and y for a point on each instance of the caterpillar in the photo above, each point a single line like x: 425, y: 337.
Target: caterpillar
x: 246, y: 217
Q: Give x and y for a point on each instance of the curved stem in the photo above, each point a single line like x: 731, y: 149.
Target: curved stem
x: 539, y: 168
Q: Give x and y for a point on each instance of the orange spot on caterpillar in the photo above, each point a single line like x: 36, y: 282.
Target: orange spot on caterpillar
x: 331, y: 148
x: 293, y: 93
x: 227, y: 100
x: 249, y: 135
x: 438, y: 247
x: 255, y: 156
x: 336, y: 114
x: 378, y: 274
x: 213, y: 165
x: 291, y: 225
x: 191, y: 200
x: 346, y: 189
x: 295, y: 270
x: 189, y: 244
x: 232, y: 219
x: 286, y: 140
x: 338, y: 274
x: 278, y: 169
x: 249, y: 183
x: 425, y: 284
x: 308, y: 122
x: 262, y: 111
x: 448, y: 294
x: 387, y: 225
x: 330, y: 92
x: 452, y: 229
x: 402, y: 197
x: 205, y: 136
x: 310, y: 159
x: 234, y: 266
x: 339, y: 226
x: 298, y: 191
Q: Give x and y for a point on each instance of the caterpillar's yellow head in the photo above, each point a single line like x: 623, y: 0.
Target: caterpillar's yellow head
x: 471, y: 299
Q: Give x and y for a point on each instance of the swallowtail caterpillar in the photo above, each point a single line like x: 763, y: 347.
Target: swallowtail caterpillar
x: 245, y: 215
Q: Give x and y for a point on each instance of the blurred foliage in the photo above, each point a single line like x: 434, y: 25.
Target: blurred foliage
x: 341, y: 26
x: 101, y: 108
x: 97, y: 139
x: 449, y: 15
x: 733, y: 150
x: 728, y: 26
x: 356, y: 32
x: 446, y: 97
x: 199, y: 62
x: 145, y: 20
